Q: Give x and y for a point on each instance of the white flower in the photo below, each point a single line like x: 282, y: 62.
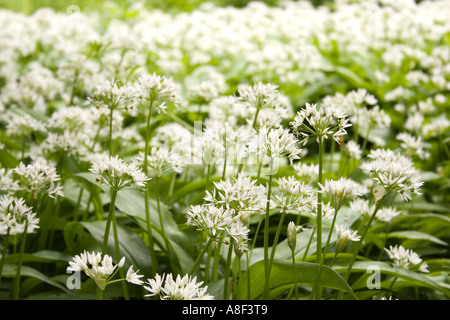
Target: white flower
x: 15, y: 216
x: 344, y: 235
x: 116, y: 173
x: 321, y: 123
x: 182, y: 288
x: 210, y: 219
x: 38, y: 176
x: 413, y: 146
x: 405, y: 258
x: 387, y: 214
x: 153, y: 88
x: 273, y: 144
x: 161, y: 161
x: 307, y: 172
x: 394, y: 172
x: 133, y: 276
x: 100, y: 270
x: 293, y: 195
x: 109, y: 96
x: 292, y: 235
x: 341, y: 189
x: 240, y: 194
x: 22, y: 125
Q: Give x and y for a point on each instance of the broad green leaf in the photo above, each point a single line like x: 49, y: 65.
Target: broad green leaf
x: 9, y: 271
x: 131, y: 245
x: 40, y: 256
x: 416, y: 235
x: 413, y: 277
x: 282, y: 275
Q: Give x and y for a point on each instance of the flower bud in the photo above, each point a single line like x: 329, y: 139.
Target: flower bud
x: 292, y: 235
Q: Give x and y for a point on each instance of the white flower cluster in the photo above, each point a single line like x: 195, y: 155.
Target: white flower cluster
x: 182, y: 288
x: 161, y: 161
x: 16, y: 217
x: 116, y: 173
x: 274, y: 144
x: 320, y: 122
x: 293, y: 195
x: 36, y: 177
x: 339, y: 190
x: 406, y: 259
x: 394, y: 172
x: 101, y: 270
x: 226, y: 215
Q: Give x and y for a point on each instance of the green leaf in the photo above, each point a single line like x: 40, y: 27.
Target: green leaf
x: 282, y: 276
x: 9, y: 271
x: 132, y: 203
x: 416, y: 235
x: 131, y: 245
x: 40, y: 256
x: 414, y: 278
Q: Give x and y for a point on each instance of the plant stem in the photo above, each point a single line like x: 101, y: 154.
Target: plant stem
x: 118, y: 256
x: 319, y: 202
x: 322, y: 261
x: 5, y: 247
x: 226, y: 291
x: 16, y: 284
x: 99, y: 294
x: 258, y: 227
x: 359, y: 243
x: 275, y: 241
x: 255, y: 118
x: 200, y: 256
x: 248, y: 276
x: 309, y: 243
x: 161, y: 222
x: 111, y: 214
x: 207, y: 265
x: 110, y: 131
x: 147, y: 193
x: 294, y: 273
x: 266, y: 237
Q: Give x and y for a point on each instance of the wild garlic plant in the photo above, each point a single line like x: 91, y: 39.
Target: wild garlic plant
x: 261, y: 152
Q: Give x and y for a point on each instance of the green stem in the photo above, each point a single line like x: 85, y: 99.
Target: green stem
x: 217, y: 251
x: 266, y: 237
x: 208, y: 264
x: 309, y: 243
x: 294, y: 273
x: 118, y: 256
x: 5, y: 247
x: 255, y: 118
x: 359, y: 243
x: 16, y: 285
x: 161, y: 222
x: 275, y: 241
x: 200, y: 256
x: 258, y: 227
x: 110, y: 132
x: 322, y: 261
x: 319, y: 202
x: 248, y: 276
x: 111, y: 214
x: 226, y: 294
x: 147, y: 194
x: 99, y: 294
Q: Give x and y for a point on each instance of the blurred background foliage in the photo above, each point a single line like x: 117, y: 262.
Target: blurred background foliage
x: 29, y: 6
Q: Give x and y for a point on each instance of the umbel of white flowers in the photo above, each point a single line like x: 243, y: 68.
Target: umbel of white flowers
x: 320, y: 122
x: 180, y: 288
x: 16, y: 217
x: 116, y: 173
x: 101, y: 270
x: 393, y: 172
